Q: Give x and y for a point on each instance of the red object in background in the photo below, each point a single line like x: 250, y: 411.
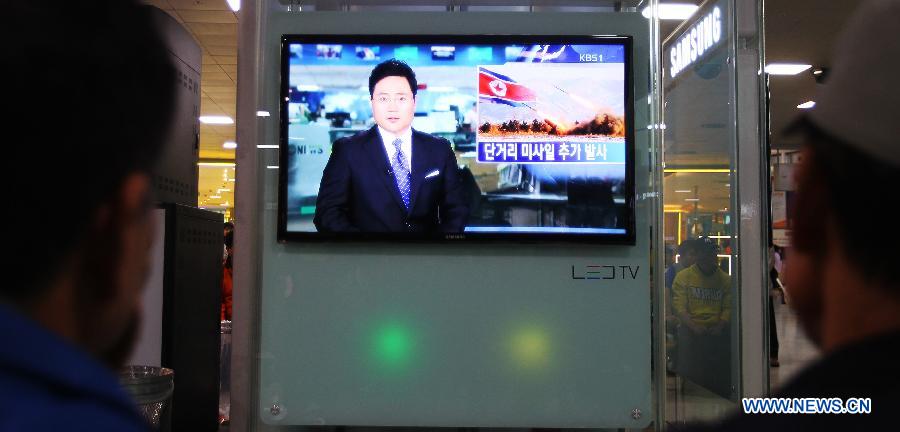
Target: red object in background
x: 227, y: 286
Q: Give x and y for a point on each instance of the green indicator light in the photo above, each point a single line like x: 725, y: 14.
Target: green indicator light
x: 530, y: 348
x: 393, y: 346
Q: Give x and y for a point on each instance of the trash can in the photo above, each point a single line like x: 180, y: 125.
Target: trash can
x: 151, y: 388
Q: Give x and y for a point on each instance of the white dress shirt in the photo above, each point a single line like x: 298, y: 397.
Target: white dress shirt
x: 405, y: 146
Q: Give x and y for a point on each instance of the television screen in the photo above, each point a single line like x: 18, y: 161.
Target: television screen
x: 457, y: 137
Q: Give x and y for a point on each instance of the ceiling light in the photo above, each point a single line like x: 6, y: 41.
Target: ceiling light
x: 262, y: 113
x: 229, y: 145
x: 683, y: 191
x: 235, y: 5
x: 231, y: 180
x: 272, y: 166
x: 267, y: 146
x: 820, y: 74
x: 807, y: 105
x: 692, y: 199
x: 786, y: 68
x: 672, y: 11
x: 216, y: 120
x: 215, y: 196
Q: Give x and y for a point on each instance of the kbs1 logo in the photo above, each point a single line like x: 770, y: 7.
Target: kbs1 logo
x: 590, y: 58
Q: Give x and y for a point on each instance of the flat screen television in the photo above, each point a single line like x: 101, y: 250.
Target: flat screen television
x: 522, y: 138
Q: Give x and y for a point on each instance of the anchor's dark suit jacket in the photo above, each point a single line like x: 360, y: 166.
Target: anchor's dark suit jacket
x: 358, y: 192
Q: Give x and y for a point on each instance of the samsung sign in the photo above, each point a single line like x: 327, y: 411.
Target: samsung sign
x: 704, y: 35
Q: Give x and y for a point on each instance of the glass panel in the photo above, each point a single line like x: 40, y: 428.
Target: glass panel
x: 699, y: 190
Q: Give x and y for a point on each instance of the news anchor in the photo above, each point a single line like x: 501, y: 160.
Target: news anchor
x: 391, y: 178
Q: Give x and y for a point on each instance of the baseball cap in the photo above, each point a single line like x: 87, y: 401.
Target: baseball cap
x: 706, y: 245
x: 858, y: 104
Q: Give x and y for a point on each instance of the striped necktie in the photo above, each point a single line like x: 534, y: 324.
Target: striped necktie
x: 401, y: 173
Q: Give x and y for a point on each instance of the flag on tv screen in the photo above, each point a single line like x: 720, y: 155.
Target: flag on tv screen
x: 501, y: 88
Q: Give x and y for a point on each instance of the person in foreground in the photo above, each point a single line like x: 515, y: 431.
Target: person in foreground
x: 391, y: 178
x: 843, y: 285
x: 80, y: 229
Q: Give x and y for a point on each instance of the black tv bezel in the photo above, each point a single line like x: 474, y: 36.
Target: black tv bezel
x: 628, y: 238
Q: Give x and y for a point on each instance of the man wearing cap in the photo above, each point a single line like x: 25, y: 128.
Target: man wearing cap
x: 702, y: 301
x: 844, y: 285
x: 701, y: 293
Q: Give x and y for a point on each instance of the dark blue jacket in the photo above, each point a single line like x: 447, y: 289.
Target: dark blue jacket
x: 46, y: 384
x: 358, y: 192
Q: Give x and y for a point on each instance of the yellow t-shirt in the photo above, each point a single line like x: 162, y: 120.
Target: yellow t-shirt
x: 706, y: 299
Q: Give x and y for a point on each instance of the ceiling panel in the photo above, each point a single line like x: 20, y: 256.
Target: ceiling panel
x: 208, y: 16
x: 214, y: 29
x: 799, y: 31
x: 226, y: 59
x: 222, y: 50
x: 218, y: 40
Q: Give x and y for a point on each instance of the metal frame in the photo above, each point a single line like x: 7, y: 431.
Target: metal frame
x: 752, y: 197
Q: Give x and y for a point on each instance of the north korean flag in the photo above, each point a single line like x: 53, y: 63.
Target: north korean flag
x: 502, y: 89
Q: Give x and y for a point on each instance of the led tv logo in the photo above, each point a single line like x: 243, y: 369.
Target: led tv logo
x: 606, y: 272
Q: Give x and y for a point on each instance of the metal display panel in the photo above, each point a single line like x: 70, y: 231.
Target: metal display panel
x: 465, y: 335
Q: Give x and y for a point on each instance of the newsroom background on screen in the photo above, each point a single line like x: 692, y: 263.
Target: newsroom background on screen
x: 538, y: 130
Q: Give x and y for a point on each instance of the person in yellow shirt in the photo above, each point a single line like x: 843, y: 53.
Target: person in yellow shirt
x: 701, y: 293
x: 702, y: 301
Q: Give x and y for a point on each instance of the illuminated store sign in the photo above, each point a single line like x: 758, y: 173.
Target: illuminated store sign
x: 704, y: 35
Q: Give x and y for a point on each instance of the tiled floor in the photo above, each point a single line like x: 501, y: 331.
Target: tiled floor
x: 795, y: 349
x: 691, y: 402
